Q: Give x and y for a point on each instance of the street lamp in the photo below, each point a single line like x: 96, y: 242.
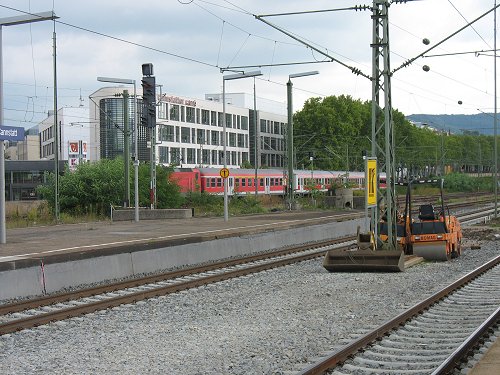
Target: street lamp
x: 230, y: 77
x: 12, y: 21
x: 136, y: 128
x: 290, y: 182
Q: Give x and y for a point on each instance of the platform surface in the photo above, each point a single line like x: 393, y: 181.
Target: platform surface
x: 44, y: 241
x: 490, y: 363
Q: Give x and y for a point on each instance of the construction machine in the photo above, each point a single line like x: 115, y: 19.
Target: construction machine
x: 436, y: 235
x: 368, y: 255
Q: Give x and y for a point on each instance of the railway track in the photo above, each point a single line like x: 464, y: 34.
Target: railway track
x: 35, y: 312
x: 431, y: 337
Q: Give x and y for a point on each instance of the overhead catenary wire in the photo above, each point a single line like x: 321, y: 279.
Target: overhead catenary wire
x: 472, y: 27
x: 194, y: 60
x: 410, y: 61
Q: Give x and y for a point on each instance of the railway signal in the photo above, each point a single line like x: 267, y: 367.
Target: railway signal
x: 148, y: 117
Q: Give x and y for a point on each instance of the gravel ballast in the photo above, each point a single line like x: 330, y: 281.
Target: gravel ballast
x: 267, y: 323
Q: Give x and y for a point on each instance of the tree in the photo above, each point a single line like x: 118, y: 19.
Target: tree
x: 325, y: 127
x: 93, y: 187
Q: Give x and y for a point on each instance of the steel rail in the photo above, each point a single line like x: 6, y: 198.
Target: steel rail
x: 66, y: 313
x: 348, y: 350
x: 89, y: 292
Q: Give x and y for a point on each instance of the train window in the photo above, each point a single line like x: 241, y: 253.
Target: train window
x: 261, y: 182
x: 219, y: 182
x: 213, y: 182
x: 249, y: 182
x: 281, y: 182
x: 243, y: 182
x: 237, y: 181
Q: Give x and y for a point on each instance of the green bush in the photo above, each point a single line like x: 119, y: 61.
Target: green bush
x: 458, y: 182
x: 93, y: 187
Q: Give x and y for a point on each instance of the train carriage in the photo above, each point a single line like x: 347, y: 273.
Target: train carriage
x: 269, y: 181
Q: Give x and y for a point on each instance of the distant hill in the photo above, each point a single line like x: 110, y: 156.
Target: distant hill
x: 482, y: 123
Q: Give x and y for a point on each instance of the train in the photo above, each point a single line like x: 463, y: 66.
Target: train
x: 269, y: 181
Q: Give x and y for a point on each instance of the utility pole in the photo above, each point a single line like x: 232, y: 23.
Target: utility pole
x: 382, y: 131
x: 126, y: 148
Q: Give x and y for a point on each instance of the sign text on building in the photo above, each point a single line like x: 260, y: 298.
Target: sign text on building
x: 177, y: 100
x: 11, y: 133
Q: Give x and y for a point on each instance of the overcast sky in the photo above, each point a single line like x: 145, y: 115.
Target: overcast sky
x: 188, y: 41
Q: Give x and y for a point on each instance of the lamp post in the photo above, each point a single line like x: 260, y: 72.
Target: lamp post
x: 136, y: 128
x: 12, y: 21
x: 224, y: 131
x: 290, y: 181
x: 495, y: 146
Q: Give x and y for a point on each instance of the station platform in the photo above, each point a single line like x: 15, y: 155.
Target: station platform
x: 40, y: 260
x: 51, y: 241
x: 489, y: 364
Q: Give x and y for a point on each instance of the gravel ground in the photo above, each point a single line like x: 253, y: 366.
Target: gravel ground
x: 268, y: 323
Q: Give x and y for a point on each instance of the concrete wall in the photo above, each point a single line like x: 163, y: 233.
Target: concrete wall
x: 33, y: 279
x: 146, y: 214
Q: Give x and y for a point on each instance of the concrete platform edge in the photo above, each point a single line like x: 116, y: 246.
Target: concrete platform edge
x: 59, y: 273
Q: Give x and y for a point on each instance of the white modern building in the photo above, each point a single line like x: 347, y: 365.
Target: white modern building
x: 74, y: 135
x: 189, y: 131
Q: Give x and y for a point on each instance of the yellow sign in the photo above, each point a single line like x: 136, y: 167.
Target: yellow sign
x: 371, y: 182
x: 224, y: 173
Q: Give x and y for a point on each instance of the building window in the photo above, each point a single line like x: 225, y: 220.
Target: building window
x: 190, y: 115
x: 162, y: 110
x: 205, y: 117
x: 191, y: 152
x: 263, y: 126
x: 232, y: 139
x: 198, y: 115
x: 185, y: 134
x: 273, y: 144
x: 214, y: 157
x: 244, y: 122
x: 276, y: 126
x: 229, y: 122
x: 206, y: 157
x: 175, y: 155
x: 213, y: 118
x: 241, y: 140
x: 183, y: 113
x: 174, y: 112
x: 163, y: 151
x: 215, y: 138
x: 219, y: 119
x: 200, y: 136
x: 167, y: 133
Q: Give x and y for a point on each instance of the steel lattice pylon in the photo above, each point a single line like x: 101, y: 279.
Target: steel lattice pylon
x: 383, y: 145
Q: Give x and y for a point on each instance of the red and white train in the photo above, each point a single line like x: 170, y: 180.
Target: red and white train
x: 269, y: 181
